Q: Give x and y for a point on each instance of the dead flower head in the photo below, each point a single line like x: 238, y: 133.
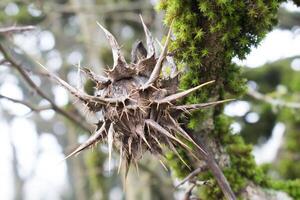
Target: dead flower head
x: 138, y: 104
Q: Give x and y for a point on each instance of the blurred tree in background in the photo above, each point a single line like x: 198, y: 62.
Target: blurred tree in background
x: 66, y: 34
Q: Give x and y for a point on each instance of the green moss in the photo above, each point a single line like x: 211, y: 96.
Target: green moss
x: 289, y: 164
x: 180, y: 170
x: 242, y: 164
x: 208, y: 35
x: 290, y: 187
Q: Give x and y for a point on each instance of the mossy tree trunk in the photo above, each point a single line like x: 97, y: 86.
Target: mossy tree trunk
x: 208, y: 34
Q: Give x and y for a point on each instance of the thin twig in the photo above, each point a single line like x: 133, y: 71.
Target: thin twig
x: 30, y: 106
x: 192, y: 175
x: 188, y: 193
x: 215, y: 169
x: 2, y: 62
x: 15, y: 29
x: 26, y: 77
x: 275, y: 102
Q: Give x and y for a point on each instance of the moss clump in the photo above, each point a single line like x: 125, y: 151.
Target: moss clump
x: 242, y: 168
x: 289, y: 164
x: 291, y: 187
x: 208, y: 35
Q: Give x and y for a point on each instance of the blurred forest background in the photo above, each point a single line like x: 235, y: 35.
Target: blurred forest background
x: 34, y: 137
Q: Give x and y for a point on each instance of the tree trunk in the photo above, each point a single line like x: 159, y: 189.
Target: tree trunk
x: 208, y: 34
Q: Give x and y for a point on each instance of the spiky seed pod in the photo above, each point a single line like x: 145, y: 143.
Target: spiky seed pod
x: 137, y: 104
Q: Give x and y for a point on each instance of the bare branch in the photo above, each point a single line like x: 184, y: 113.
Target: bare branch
x: 28, y: 80
x: 192, y: 175
x: 30, y: 106
x: 217, y: 172
x: 214, y: 168
x: 188, y: 193
x: 275, y: 102
x: 15, y: 29
x: 80, y: 94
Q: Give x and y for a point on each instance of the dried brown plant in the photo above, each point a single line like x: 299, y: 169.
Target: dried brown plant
x: 138, y: 105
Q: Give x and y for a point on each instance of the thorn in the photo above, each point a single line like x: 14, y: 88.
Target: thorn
x: 159, y: 128
x: 91, y: 140
x: 71, y: 89
x: 129, y: 144
x: 149, y: 39
x: 79, y: 80
x: 179, y: 95
x: 145, y: 140
x: 127, y: 166
x: 77, y: 93
x: 133, y: 92
x: 110, y: 139
x: 136, y: 167
x: 185, y: 134
x: 124, y: 109
x: 171, y: 61
x: 114, y: 46
x: 193, y: 107
x: 98, y: 79
x: 179, y: 156
x: 120, y: 161
x: 142, y: 109
x: 126, y: 113
x: 159, y: 43
x: 186, y: 111
x: 156, y: 71
x: 157, y: 141
x: 157, y: 106
x: 164, y: 166
x: 155, y: 88
x: 85, y: 109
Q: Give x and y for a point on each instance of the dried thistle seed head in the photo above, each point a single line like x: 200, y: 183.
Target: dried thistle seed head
x: 138, y: 105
